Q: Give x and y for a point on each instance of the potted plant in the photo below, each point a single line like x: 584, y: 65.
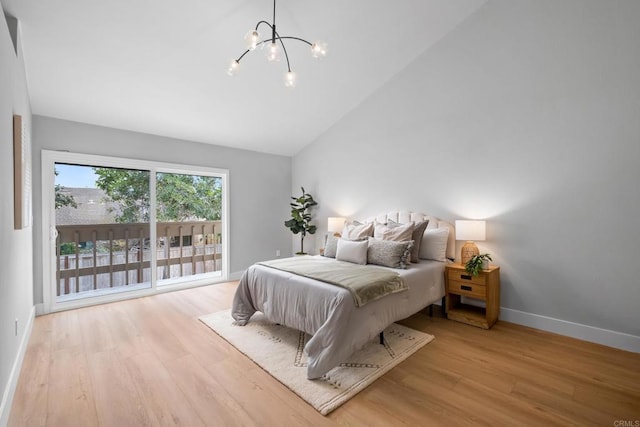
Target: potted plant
x: 300, y: 221
x: 477, y: 263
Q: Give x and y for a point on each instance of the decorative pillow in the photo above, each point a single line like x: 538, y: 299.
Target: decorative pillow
x: 399, y: 232
x: 434, y: 244
x: 352, y: 251
x: 357, y: 231
x: 394, y: 231
x: 389, y: 253
x: 418, y: 232
x: 330, y: 245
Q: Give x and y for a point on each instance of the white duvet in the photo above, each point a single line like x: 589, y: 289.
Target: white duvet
x: 328, y: 313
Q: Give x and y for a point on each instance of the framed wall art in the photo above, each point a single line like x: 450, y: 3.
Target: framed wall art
x: 21, y: 174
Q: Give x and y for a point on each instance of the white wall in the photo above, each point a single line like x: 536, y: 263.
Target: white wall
x: 259, y: 184
x: 16, y: 279
x: 527, y: 115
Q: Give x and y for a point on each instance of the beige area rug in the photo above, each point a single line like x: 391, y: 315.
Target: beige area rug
x: 279, y: 351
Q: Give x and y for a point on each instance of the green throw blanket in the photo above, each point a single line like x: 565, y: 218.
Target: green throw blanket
x: 366, y: 283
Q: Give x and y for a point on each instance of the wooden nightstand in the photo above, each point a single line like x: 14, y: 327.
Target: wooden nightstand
x: 485, y: 286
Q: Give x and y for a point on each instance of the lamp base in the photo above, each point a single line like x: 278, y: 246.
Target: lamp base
x: 468, y: 250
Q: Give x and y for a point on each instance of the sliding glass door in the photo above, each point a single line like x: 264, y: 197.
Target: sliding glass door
x: 102, y: 243
x: 189, y: 226
x: 123, y: 228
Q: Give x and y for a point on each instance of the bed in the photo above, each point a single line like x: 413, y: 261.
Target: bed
x: 328, y: 313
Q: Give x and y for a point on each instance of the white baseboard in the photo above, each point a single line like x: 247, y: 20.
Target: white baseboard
x: 575, y: 330
x: 7, y: 396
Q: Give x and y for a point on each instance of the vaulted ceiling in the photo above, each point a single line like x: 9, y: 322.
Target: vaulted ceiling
x: 159, y: 66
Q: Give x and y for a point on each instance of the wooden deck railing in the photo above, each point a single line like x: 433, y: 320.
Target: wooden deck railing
x: 99, y: 256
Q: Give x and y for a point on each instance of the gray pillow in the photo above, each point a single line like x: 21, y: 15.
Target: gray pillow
x: 416, y: 236
x: 389, y: 253
x: 330, y: 246
x: 418, y: 232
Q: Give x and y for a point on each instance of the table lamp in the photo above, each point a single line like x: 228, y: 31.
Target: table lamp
x: 470, y: 231
x: 335, y: 225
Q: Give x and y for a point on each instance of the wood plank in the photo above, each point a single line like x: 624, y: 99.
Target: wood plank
x: 149, y: 320
x: 70, y: 390
x: 121, y: 326
x: 94, y: 328
x: 32, y: 392
x: 116, y: 397
x: 163, y: 399
x: 65, y: 331
x: 505, y: 408
x: 560, y: 403
x: 259, y: 394
x: 209, y: 397
x: 618, y: 403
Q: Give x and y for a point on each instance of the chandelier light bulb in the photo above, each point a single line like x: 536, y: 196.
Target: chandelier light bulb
x: 273, y: 52
x: 251, y: 39
x: 290, y: 80
x: 234, y: 67
x: 319, y: 49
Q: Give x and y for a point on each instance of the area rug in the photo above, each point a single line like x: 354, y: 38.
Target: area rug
x: 279, y: 351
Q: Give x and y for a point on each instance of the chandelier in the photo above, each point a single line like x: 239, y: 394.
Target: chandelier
x: 273, y: 47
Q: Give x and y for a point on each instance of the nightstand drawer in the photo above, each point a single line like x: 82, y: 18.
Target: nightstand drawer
x: 463, y: 276
x: 467, y: 289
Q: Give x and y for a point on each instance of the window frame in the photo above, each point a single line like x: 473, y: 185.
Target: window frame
x: 50, y: 158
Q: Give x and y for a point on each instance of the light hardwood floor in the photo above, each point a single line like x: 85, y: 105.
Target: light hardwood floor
x: 150, y: 361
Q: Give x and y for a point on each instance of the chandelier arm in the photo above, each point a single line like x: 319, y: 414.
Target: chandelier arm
x: 263, y: 22
x: 278, y: 38
x: 286, y: 55
x: 242, y: 56
x: 296, y: 38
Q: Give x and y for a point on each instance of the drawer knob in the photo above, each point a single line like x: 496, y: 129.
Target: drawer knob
x: 466, y: 288
x: 465, y: 277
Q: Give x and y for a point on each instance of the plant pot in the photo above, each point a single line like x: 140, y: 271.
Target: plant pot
x: 485, y: 264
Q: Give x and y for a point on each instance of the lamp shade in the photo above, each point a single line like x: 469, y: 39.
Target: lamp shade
x: 335, y: 224
x: 470, y: 230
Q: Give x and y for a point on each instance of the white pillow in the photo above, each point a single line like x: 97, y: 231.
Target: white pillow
x: 352, y: 251
x: 378, y: 229
x: 434, y: 244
